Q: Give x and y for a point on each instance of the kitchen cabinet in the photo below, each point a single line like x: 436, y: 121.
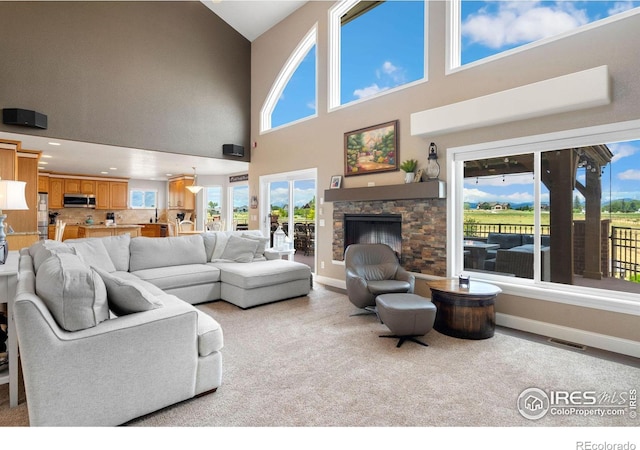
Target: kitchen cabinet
x: 70, y: 232
x: 71, y: 186
x: 103, y: 196
x: 56, y: 193
x: 85, y: 231
x: 179, y: 196
x: 119, y: 194
x: 8, y: 160
x: 112, y: 194
x: 88, y: 187
x: 154, y: 229
x: 43, y: 183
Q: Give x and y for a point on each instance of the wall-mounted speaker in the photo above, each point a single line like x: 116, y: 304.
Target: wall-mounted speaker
x: 24, y: 118
x: 232, y: 150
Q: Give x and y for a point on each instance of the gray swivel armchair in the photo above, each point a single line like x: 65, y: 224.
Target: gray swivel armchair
x: 372, y: 270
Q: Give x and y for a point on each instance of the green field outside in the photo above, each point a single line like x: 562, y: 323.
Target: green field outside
x: 511, y: 216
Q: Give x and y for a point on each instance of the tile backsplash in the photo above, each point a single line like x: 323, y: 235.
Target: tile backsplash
x: 127, y: 216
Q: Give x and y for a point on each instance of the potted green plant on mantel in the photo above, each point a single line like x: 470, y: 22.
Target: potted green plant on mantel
x: 409, y: 166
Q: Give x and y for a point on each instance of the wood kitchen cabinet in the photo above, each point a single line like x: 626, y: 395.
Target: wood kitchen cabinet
x: 79, y: 186
x: 119, y: 194
x: 70, y: 232
x: 56, y: 193
x: 112, y: 194
x: 179, y: 196
x: 8, y: 160
x: 43, y: 183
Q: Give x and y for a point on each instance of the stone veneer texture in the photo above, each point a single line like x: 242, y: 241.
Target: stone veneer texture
x: 424, y: 231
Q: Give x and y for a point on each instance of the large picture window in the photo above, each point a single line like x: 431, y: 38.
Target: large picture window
x: 560, y: 214
x: 483, y: 29
x: 375, y: 47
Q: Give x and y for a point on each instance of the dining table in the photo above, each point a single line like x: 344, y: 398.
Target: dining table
x: 477, y: 252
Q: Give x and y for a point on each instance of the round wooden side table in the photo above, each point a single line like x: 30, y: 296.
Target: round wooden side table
x: 466, y: 313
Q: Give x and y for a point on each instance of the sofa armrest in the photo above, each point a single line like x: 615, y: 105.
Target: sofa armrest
x: 108, y: 374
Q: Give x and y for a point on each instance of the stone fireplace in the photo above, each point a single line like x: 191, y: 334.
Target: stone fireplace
x: 423, y: 230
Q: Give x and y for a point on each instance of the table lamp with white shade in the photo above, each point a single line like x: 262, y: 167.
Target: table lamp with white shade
x: 11, y: 198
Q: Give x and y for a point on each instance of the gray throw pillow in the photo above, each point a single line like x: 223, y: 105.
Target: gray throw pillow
x: 74, y: 294
x: 43, y: 252
x: 239, y: 249
x: 94, y: 253
x: 127, y: 296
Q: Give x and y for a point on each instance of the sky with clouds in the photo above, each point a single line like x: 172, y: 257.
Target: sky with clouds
x: 620, y: 179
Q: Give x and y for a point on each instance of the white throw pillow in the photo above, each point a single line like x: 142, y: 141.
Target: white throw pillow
x: 239, y: 249
x: 94, y: 253
x: 127, y: 296
x: 262, y: 244
x: 74, y: 294
x: 222, y: 237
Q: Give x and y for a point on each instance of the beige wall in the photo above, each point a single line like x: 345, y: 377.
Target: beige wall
x: 166, y: 76
x: 318, y: 142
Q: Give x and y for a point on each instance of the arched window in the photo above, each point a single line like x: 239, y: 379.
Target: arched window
x: 294, y: 92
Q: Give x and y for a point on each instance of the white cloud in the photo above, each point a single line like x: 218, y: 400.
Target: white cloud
x: 521, y: 22
x: 630, y: 174
x: 369, y: 91
x: 619, y: 7
x: 311, y: 105
x: 621, y: 150
x: 474, y: 195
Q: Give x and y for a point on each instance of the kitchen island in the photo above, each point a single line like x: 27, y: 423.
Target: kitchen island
x: 108, y: 230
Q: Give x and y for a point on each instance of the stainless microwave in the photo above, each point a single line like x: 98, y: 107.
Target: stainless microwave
x: 79, y: 201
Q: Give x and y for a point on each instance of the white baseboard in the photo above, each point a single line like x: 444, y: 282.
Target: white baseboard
x: 588, y: 338
x: 340, y: 284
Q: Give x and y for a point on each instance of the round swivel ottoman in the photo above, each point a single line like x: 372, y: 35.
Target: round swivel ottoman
x: 406, y: 315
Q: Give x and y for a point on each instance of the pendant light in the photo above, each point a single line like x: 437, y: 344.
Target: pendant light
x: 194, y: 188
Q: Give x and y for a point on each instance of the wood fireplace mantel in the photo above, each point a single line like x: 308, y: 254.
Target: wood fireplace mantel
x: 408, y: 191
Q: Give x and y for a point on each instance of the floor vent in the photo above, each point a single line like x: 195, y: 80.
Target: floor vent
x: 572, y: 345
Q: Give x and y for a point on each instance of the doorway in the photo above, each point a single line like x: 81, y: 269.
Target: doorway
x: 289, y: 201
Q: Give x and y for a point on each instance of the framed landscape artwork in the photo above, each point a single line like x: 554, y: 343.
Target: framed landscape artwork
x: 370, y: 150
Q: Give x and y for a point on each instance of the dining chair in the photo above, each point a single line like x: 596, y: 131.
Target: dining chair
x: 59, y: 233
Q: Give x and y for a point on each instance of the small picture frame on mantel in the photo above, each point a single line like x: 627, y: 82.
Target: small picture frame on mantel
x: 336, y: 182
x: 418, y: 177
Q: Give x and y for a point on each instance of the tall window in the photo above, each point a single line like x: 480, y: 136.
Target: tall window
x: 565, y: 215
x: 240, y: 205
x: 483, y: 29
x: 213, y: 203
x: 293, y: 94
x: 376, y: 46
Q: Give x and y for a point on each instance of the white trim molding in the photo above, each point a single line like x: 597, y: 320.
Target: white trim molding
x: 588, y: 338
x: 580, y: 90
x: 287, y: 71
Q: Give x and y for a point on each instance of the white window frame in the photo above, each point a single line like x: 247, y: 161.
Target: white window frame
x: 283, y: 78
x: 622, y: 302
x: 335, y: 26
x: 454, y: 38
x: 144, y: 191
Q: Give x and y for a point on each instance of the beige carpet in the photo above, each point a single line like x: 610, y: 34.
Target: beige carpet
x: 306, y: 362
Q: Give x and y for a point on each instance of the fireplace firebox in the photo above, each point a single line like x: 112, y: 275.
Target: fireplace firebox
x: 374, y: 229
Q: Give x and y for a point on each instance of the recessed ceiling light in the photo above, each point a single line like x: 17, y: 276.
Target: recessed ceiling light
x: 43, y: 162
x: 46, y: 156
x: 104, y: 172
x: 55, y: 143
x: 113, y: 168
x: 169, y: 174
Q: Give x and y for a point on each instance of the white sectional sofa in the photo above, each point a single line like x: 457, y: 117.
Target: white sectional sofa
x: 107, y: 328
